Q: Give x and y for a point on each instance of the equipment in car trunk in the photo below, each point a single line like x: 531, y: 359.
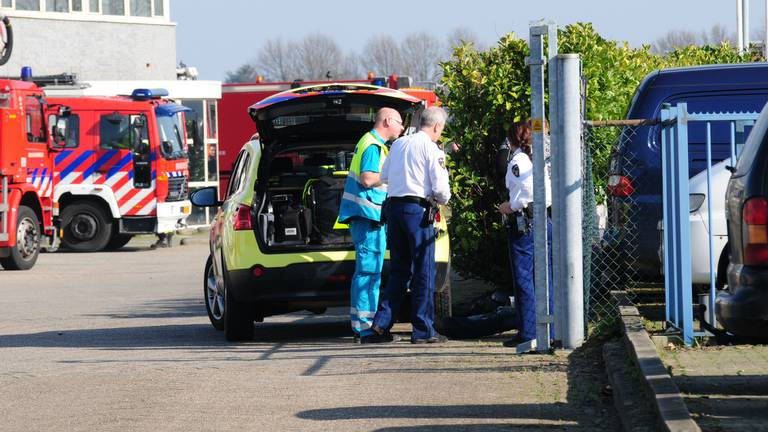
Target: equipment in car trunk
x: 323, y: 197
x: 292, y: 222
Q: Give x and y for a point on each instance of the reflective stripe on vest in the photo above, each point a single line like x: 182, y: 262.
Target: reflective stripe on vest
x: 359, y: 200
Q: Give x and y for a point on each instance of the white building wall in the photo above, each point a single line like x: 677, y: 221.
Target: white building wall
x: 94, y: 50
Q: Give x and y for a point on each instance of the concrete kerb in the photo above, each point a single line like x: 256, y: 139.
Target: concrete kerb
x: 672, y: 413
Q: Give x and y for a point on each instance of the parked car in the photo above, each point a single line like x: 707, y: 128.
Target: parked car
x: 742, y: 309
x: 276, y: 244
x: 700, y: 229
x: 635, y: 189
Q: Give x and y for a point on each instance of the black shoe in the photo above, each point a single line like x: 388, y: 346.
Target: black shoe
x: 515, y: 341
x: 436, y: 339
x: 356, y: 338
x: 378, y: 330
x: 379, y: 338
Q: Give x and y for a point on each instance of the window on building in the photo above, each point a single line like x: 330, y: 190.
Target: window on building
x: 159, y: 8
x: 113, y: 7
x: 31, y: 5
x: 212, y: 130
x: 33, y: 114
x: 142, y: 8
x: 7, y: 3
x: 57, y: 5
x: 77, y: 5
x: 93, y: 6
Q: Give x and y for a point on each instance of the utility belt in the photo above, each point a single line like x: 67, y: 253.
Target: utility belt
x: 430, y: 205
x: 528, y: 211
x: 521, y: 221
x: 411, y: 200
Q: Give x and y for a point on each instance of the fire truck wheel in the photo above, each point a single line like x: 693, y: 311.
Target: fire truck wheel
x: 24, y: 255
x: 118, y: 240
x: 87, y: 228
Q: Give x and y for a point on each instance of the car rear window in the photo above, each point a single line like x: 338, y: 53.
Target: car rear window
x: 753, y: 144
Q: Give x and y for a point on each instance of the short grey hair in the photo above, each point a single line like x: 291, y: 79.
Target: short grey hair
x: 432, y: 116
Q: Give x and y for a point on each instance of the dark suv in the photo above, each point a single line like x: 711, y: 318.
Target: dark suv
x: 742, y: 309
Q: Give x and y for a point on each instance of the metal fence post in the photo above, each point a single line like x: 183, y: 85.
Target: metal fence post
x: 569, y: 69
x: 543, y: 317
x: 684, y: 290
x: 555, y: 163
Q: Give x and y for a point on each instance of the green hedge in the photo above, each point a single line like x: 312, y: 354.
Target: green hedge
x: 485, y: 91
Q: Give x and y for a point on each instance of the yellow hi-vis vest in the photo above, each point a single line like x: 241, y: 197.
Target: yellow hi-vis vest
x: 358, y: 200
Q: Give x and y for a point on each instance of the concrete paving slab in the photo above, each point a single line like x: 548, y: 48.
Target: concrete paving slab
x: 120, y: 341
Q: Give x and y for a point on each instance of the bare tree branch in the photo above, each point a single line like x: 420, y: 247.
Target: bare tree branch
x: 381, y: 55
x: 421, y: 54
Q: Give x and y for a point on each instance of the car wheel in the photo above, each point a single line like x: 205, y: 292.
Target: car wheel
x: 214, y: 299
x: 118, y: 240
x: 443, y: 302
x: 238, y: 321
x: 24, y: 254
x: 87, y: 228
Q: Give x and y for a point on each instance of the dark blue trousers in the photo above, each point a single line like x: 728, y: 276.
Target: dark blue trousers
x: 411, y: 264
x: 521, y: 259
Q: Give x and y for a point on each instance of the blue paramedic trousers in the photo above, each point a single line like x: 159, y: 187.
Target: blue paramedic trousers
x: 412, y: 264
x: 521, y: 259
x: 370, y: 240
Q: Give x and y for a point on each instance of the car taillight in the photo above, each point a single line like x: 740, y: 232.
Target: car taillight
x: 242, y: 218
x: 257, y: 271
x: 755, y: 231
x: 620, y: 186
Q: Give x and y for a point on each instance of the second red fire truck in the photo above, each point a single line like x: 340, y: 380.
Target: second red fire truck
x: 122, y: 171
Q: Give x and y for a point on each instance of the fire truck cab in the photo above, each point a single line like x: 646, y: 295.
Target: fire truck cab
x: 122, y: 171
x: 26, y: 172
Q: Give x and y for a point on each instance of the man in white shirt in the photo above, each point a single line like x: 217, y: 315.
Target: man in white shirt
x: 415, y: 174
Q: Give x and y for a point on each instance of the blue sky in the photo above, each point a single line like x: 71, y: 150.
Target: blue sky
x: 217, y: 36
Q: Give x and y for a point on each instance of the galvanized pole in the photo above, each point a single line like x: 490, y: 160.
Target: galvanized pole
x: 555, y: 164
x: 739, y: 26
x: 745, y: 23
x: 765, y: 34
x: 569, y: 70
x: 543, y: 318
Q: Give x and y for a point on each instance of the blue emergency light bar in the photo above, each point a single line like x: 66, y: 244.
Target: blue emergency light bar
x: 143, y: 94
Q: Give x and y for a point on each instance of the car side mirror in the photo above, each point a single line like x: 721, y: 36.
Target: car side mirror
x: 206, y: 197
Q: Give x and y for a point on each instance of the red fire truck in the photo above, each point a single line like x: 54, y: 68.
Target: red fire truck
x: 122, y: 171
x: 26, y: 171
x: 236, y: 126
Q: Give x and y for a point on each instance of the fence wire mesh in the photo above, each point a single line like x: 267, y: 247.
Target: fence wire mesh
x: 610, y: 213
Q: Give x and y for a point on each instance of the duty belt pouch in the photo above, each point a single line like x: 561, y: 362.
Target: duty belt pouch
x: 430, y: 211
x: 384, y: 211
x: 522, y: 223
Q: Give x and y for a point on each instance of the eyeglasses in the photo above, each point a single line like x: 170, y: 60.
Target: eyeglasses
x: 400, y: 122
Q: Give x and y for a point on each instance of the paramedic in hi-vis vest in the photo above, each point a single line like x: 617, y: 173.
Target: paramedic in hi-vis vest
x: 360, y: 207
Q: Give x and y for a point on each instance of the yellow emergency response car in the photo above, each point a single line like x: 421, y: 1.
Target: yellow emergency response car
x: 276, y: 244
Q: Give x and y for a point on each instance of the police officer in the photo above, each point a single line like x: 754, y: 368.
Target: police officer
x: 519, y: 212
x: 416, y: 176
x: 361, y: 208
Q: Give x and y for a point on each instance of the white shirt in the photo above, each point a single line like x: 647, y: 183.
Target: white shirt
x: 519, y: 180
x: 416, y: 167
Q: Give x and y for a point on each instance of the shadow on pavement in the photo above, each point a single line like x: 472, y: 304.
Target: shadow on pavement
x: 471, y: 428
x: 171, y: 308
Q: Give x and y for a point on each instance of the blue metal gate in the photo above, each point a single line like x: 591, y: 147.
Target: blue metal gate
x: 675, y: 121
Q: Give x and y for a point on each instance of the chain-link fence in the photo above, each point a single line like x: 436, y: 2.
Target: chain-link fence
x: 611, y: 220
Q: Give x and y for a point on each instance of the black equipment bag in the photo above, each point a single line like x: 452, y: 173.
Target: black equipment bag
x: 323, y: 197
x: 292, y: 220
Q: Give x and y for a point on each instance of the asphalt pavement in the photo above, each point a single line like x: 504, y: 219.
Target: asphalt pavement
x: 120, y: 341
